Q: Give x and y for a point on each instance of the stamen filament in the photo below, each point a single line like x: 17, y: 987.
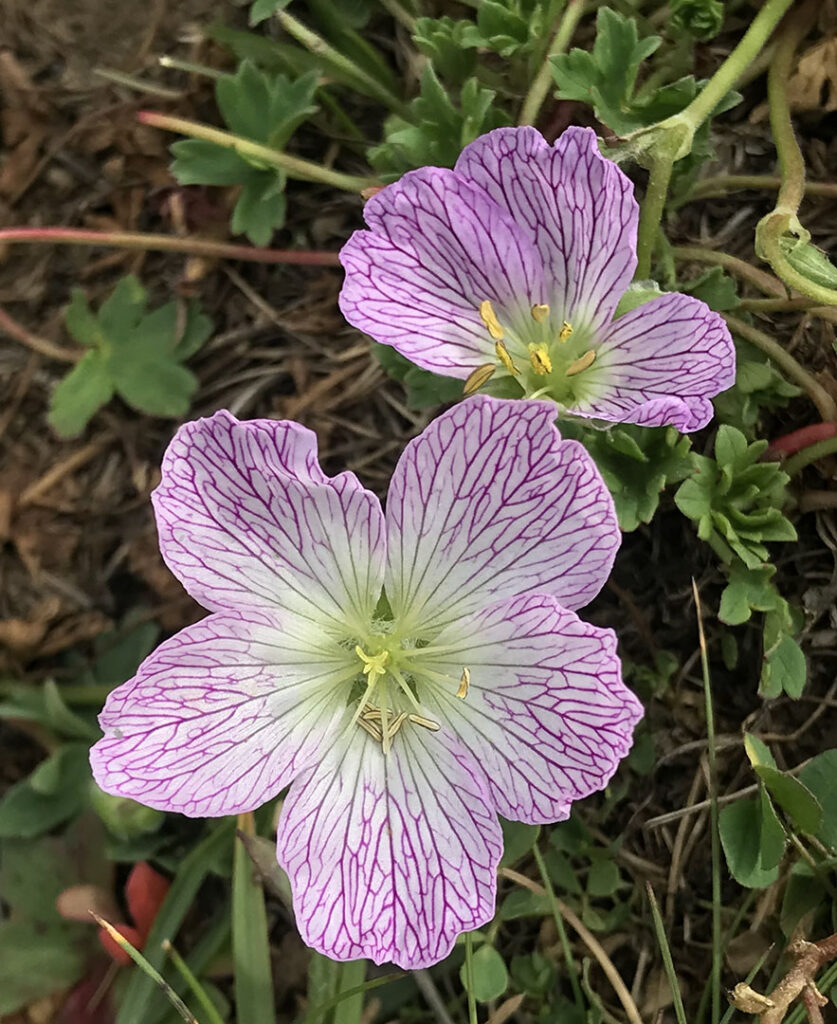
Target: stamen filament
x: 405, y: 686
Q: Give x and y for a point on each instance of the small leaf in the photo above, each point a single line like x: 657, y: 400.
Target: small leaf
x: 518, y: 840
x: 784, y: 669
x: 603, y: 878
x: 758, y: 752
x: 819, y: 776
x: 491, y: 979
x: 80, y: 321
x: 798, y: 802
x: 260, y: 10
x: 85, y: 389
x: 741, y: 825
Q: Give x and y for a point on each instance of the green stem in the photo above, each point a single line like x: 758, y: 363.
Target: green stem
x: 717, y: 946
x: 567, y: 23
x: 765, y: 282
x: 190, y: 67
x: 469, y: 975
x: 720, y: 547
x: 785, y: 361
x: 796, y: 463
x: 150, y: 242
x: 351, y: 976
x: 197, y: 990
x: 673, y: 136
x: 294, y: 167
x: 747, y: 50
x: 783, y: 220
x: 652, y: 209
x: 721, y: 184
x: 400, y: 14
x: 317, y: 45
x: 562, y: 931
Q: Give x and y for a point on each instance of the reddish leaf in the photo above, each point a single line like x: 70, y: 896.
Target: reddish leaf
x: 145, y: 891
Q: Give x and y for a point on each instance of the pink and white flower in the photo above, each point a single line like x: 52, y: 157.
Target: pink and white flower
x: 410, y: 675
x: 513, y: 264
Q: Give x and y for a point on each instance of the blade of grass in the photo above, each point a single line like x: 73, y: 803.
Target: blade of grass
x: 316, y: 1013
x: 665, y: 950
x: 572, y: 970
x: 212, y: 1016
x: 350, y: 1008
x: 717, y: 944
x: 148, y: 971
x: 730, y: 1010
x: 253, y: 979
x: 469, y: 974
x: 138, y: 1004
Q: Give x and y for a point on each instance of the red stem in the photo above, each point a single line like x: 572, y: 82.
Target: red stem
x: 190, y: 246
x: 790, y: 444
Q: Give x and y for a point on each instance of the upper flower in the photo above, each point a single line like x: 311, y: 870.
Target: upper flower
x: 412, y: 674
x: 513, y: 264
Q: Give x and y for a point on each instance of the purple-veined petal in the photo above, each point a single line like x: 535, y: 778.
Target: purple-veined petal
x: 437, y: 248
x: 546, y: 715
x: 661, y: 364
x: 577, y: 207
x: 247, y: 519
x: 223, y: 715
x: 390, y: 857
x: 489, y: 502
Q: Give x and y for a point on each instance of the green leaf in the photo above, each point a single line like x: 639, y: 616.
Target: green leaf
x: 80, y: 321
x: 795, y: 799
x: 137, y: 354
x: 518, y: 840
x: 772, y: 837
x: 37, y: 960
x: 716, y: 288
x: 85, y: 389
x: 426, y: 389
x: 748, y: 590
x: 702, y: 19
x: 491, y: 979
x: 254, y: 1000
x: 523, y: 903
x: 533, y: 974
x: 198, y: 162
x: 749, y: 835
x: 819, y: 776
x: 260, y: 209
x: 758, y: 752
x: 437, y: 129
x: 784, y: 669
x: 260, y: 10
x: 603, y: 879
x: 447, y: 43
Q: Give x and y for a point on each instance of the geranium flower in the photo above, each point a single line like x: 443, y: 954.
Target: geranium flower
x: 411, y: 674
x: 512, y: 265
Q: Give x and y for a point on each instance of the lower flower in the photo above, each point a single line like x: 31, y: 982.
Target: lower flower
x: 411, y: 675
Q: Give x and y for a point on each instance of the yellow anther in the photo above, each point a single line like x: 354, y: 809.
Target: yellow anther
x: 464, y: 683
x: 566, y: 331
x: 428, y: 723
x: 373, y: 664
x: 489, y: 318
x: 372, y: 729
x: 505, y: 358
x: 478, y: 377
x: 539, y: 358
x: 540, y: 312
x: 580, y: 364
x: 396, y: 725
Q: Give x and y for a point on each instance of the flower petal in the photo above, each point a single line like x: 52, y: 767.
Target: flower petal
x: 437, y: 248
x: 661, y: 364
x: 222, y: 716
x: 248, y: 519
x: 489, y: 502
x: 546, y: 715
x: 390, y: 857
x: 577, y: 207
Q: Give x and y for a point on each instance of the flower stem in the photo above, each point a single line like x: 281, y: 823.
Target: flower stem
x: 150, y: 242
x: 761, y: 279
x: 792, y: 369
x: 567, y: 23
x: 797, y: 440
x: 569, y: 959
x: 351, y: 976
x: 673, y: 136
x: 294, y: 167
x: 469, y: 974
x: 783, y: 220
x: 720, y: 185
x: 818, y: 450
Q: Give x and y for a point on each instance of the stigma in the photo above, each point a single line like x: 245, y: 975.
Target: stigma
x: 539, y: 358
x: 373, y: 664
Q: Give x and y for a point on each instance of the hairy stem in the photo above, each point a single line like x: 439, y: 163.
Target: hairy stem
x: 721, y: 184
x: 651, y: 211
x: 149, y: 242
x: 294, y: 167
x: 566, y: 25
x: 796, y: 463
